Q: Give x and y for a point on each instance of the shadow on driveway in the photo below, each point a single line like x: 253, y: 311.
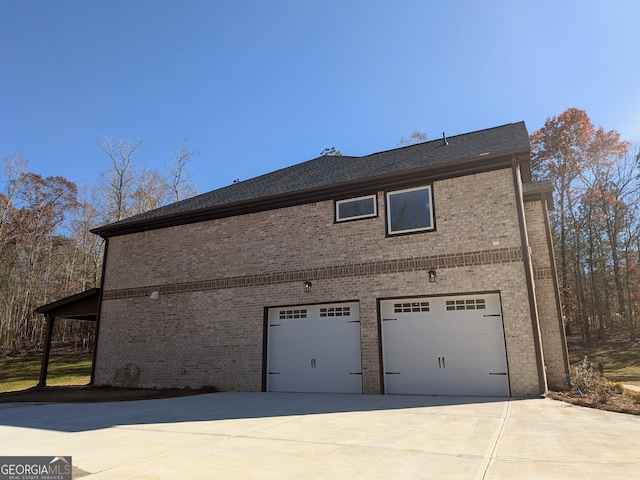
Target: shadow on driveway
x: 78, y: 417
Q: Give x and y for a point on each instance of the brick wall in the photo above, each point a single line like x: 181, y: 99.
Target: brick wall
x: 216, y: 278
x: 551, y: 327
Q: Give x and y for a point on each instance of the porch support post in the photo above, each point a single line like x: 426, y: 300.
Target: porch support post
x: 47, y: 351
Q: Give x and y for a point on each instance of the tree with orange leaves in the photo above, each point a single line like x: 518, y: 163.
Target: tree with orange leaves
x: 565, y: 150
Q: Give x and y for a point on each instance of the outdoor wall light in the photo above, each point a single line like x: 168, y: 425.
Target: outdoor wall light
x: 432, y: 276
x: 307, y: 287
x: 154, y: 295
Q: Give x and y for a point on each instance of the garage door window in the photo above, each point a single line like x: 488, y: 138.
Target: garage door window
x: 335, y: 312
x: 410, y: 211
x: 290, y: 314
x: 409, y: 307
x: 467, y: 304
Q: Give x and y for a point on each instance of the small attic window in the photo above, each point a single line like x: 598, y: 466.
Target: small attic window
x: 356, y: 208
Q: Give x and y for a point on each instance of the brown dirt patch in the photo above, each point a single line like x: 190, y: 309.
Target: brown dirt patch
x: 89, y: 394
x: 616, y: 402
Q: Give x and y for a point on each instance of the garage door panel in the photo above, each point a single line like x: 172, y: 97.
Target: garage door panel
x: 301, y: 329
x: 320, y: 383
x: 476, y: 363
x: 472, y: 324
x: 475, y: 385
x: 411, y: 343
x: 414, y: 362
x: 338, y: 363
x: 484, y: 342
x: 444, y: 325
x: 294, y: 347
x: 415, y: 384
x: 289, y: 363
x: 477, y: 343
x: 307, y: 346
x: 479, y: 363
x: 344, y: 383
x: 323, y: 363
x: 489, y: 361
x: 439, y: 342
x: 440, y: 384
x: 416, y: 326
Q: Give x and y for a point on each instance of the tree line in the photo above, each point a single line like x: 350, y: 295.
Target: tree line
x: 596, y: 223
x: 47, y: 251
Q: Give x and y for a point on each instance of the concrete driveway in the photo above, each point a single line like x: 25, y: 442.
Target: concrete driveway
x: 316, y: 436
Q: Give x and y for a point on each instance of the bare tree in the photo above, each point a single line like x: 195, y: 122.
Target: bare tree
x: 120, y: 178
x: 414, y: 138
x: 12, y: 174
x: 151, y: 191
x: 181, y: 180
x: 86, y: 262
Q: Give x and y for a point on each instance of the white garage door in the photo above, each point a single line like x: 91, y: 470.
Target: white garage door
x: 314, y: 348
x: 444, y: 346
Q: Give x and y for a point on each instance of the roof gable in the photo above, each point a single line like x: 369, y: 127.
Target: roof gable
x: 330, y: 175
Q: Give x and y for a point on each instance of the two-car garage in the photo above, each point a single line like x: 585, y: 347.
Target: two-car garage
x: 448, y: 345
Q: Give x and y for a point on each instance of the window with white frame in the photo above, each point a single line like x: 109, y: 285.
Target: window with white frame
x: 410, y: 210
x: 356, y: 208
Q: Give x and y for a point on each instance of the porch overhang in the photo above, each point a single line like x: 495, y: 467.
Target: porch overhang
x: 81, y: 306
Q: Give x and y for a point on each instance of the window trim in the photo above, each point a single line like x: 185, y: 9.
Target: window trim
x: 429, y: 228
x: 337, y: 203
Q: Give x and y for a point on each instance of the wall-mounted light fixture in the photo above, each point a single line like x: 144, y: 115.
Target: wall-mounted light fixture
x: 495, y: 241
x: 432, y: 276
x: 307, y: 287
x: 154, y: 295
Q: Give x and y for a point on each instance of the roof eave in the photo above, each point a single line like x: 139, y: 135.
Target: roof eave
x: 81, y: 306
x: 542, y: 192
x: 401, y: 179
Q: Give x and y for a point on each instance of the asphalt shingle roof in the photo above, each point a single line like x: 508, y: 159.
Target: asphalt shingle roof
x: 326, y: 171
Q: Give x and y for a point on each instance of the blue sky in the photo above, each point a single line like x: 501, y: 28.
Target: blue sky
x: 259, y: 85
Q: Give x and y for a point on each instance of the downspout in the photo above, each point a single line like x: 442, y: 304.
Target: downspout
x: 95, y: 348
x: 528, y: 271
x: 556, y: 286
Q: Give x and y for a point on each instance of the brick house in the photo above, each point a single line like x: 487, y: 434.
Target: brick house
x: 426, y: 269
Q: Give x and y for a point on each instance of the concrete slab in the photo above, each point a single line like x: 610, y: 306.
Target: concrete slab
x: 280, y: 436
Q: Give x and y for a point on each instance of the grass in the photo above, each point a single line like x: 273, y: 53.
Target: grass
x: 20, y: 373
x: 620, y: 361
x: 69, y: 375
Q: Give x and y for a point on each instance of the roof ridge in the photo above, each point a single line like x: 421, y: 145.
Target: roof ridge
x: 448, y: 138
